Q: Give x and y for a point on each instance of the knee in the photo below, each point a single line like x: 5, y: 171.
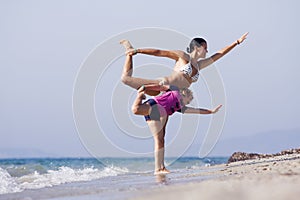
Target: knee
x: 135, y: 110
x: 125, y: 79
x: 160, y: 143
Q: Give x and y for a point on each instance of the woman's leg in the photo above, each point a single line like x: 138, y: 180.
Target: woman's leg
x: 127, y: 78
x: 133, y: 82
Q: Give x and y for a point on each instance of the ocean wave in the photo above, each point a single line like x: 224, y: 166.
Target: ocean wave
x: 17, y: 175
x: 8, y: 184
x: 36, y: 180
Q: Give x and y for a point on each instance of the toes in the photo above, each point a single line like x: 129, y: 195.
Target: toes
x: 142, y: 88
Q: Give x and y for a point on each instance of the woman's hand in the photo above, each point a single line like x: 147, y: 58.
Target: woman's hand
x: 239, y: 41
x: 216, y: 109
x: 131, y: 52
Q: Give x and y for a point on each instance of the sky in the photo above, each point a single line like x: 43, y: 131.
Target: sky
x: 44, y: 43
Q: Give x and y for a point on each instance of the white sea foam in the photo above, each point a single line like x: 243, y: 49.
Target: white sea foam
x: 63, y: 175
x: 7, y: 183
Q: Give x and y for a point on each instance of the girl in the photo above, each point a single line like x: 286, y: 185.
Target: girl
x: 157, y: 110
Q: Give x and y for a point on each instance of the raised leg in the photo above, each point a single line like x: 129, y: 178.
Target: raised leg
x: 127, y: 78
x: 138, y: 107
x: 127, y: 69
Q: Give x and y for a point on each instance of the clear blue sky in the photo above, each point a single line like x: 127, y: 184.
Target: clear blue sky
x: 43, y: 44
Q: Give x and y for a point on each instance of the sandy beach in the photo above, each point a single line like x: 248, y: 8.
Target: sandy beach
x: 269, y: 178
x: 276, y: 178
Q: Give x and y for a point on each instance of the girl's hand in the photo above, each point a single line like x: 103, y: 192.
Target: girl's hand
x: 216, y: 109
x: 239, y: 41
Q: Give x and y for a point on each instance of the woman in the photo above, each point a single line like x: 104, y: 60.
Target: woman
x: 157, y: 110
x: 187, y: 65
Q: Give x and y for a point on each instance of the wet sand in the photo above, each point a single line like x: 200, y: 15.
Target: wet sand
x: 268, y: 178
x: 276, y: 178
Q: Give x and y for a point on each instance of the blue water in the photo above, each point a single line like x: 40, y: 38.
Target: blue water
x: 58, y: 177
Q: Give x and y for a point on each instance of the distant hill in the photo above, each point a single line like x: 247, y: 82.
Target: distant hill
x: 265, y: 142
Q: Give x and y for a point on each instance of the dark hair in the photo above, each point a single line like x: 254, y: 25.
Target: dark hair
x: 195, y: 42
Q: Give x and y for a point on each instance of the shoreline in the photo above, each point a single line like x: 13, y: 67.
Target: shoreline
x: 273, y: 178
x: 263, y: 178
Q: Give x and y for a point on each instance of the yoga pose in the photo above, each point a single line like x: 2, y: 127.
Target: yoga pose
x: 177, y: 96
x: 157, y: 110
x: 187, y: 65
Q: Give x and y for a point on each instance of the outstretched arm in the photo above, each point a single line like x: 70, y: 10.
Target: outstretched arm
x: 191, y: 110
x: 173, y: 54
x: 208, y: 61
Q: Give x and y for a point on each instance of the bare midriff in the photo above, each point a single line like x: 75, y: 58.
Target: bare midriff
x: 178, y: 79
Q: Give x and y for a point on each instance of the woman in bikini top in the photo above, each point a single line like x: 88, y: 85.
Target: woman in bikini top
x: 187, y: 66
x: 187, y: 69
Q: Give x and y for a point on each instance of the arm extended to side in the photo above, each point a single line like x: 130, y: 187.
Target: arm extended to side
x: 176, y: 54
x: 172, y: 54
x: 208, y: 61
x: 190, y: 110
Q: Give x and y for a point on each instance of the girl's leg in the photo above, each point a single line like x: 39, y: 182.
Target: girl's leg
x: 158, y: 131
x: 138, y: 107
x: 162, y: 167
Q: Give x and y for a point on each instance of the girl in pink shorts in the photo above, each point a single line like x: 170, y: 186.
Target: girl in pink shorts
x: 157, y: 110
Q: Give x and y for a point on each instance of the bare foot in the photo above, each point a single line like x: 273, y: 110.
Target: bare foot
x: 162, y: 171
x: 142, y: 88
x: 141, y: 92
x: 127, y: 45
x: 165, y: 171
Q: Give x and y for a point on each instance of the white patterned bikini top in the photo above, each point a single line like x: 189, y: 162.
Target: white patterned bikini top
x: 188, y: 69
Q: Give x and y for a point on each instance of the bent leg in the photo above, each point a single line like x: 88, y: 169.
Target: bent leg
x: 127, y: 78
x: 133, y: 82
x: 139, y: 108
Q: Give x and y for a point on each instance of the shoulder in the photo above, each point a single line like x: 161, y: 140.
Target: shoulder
x: 178, y: 54
x: 183, y: 55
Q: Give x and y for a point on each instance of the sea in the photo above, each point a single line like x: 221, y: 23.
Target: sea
x: 91, y: 178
